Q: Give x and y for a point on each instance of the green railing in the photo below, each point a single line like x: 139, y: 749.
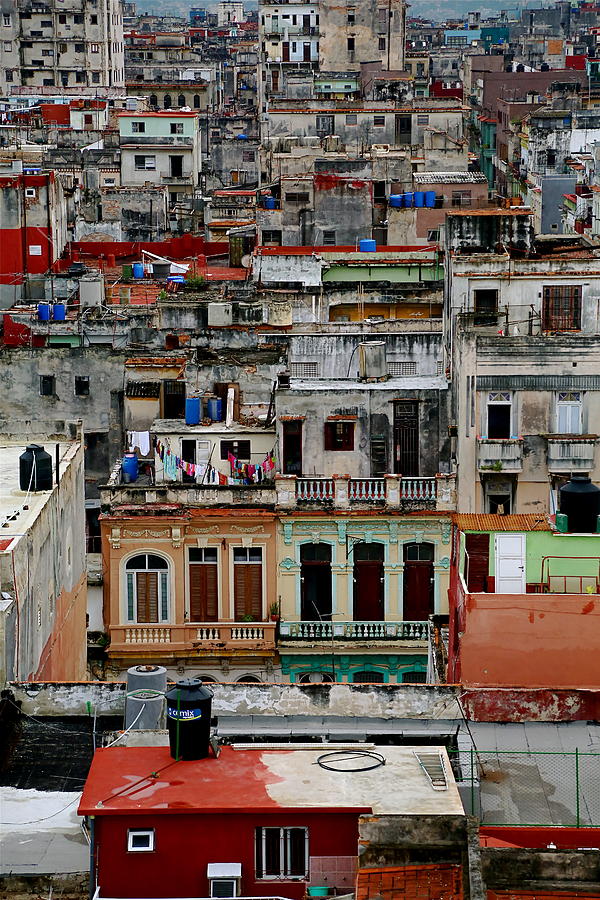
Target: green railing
x: 530, y: 787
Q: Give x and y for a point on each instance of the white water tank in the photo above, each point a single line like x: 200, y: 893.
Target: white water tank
x: 372, y: 363
x: 144, y: 703
x: 91, y: 290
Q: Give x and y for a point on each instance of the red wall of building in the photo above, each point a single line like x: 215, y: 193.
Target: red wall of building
x: 185, y: 844
x: 563, y: 838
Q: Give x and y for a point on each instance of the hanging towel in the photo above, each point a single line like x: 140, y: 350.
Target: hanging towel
x: 139, y: 439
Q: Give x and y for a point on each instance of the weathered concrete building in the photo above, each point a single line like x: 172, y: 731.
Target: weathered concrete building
x: 56, y: 46
x: 33, y: 230
x: 42, y: 565
x: 524, y: 350
x: 161, y: 148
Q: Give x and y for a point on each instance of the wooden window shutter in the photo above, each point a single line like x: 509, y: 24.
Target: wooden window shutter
x: 203, y: 593
x: 247, y: 590
x: 147, y: 596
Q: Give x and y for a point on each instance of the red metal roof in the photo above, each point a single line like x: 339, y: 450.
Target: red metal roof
x: 124, y: 780
x: 5, y: 542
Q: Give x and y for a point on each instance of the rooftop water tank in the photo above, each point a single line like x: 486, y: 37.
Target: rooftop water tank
x: 35, y: 469
x: 372, y: 363
x: 91, y: 290
x: 189, y: 706
x: 146, y: 688
x: 579, y: 500
x: 367, y: 246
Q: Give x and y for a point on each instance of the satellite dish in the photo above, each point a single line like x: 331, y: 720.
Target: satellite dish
x: 246, y: 261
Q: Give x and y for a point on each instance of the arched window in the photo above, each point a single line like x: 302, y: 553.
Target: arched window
x: 153, y: 99
x: 181, y: 100
x: 147, y: 588
x: 196, y: 101
x: 207, y: 679
x: 248, y: 679
x: 367, y: 678
x: 167, y: 101
x: 314, y: 678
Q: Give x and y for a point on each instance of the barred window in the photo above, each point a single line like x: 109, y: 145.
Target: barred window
x: 397, y: 369
x: 304, y: 369
x: 561, y: 308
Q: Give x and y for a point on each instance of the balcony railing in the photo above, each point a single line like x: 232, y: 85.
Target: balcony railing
x: 315, y: 489
x: 568, y: 453
x: 418, y: 488
x: 366, y: 489
x: 500, y: 455
x: 353, y: 631
x: 190, y: 637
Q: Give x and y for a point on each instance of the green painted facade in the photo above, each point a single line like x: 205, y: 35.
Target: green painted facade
x: 402, y: 273
x: 392, y: 667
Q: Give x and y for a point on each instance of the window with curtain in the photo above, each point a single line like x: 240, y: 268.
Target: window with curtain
x: 569, y: 413
x: 203, y: 581
x: 282, y: 852
x: 247, y: 583
x: 147, y: 589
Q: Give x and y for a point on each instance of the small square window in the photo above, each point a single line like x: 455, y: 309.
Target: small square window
x: 433, y: 235
x: 82, y: 385
x: 47, y: 385
x: 351, y: 119
x: 138, y: 127
x: 239, y: 449
x: 30, y: 193
x: 94, y: 20
x: 379, y: 121
x: 329, y: 238
x: 78, y: 19
x: 176, y: 127
x: 339, y: 435
x: 422, y: 120
x: 62, y: 19
x: 95, y: 77
x: 139, y: 841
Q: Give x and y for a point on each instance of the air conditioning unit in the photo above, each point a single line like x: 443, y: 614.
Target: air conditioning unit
x: 220, y: 314
x: 224, y: 879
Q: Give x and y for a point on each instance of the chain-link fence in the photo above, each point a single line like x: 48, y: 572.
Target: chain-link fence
x: 529, y: 787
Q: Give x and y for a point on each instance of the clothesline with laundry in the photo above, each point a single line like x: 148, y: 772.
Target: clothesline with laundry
x: 241, y: 473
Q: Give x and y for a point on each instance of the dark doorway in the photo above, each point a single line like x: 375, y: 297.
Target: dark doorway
x: 406, y: 437
x: 285, y: 47
x: 306, y: 52
x: 173, y: 405
x: 368, y: 583
x: 176, y: 166
x: 499, y: 420
x: 292, y: 448
x: 403, y: 130
x: 477, y: 562
x: 188, y: 454
x: 418, y: 582
x: 315, y: 577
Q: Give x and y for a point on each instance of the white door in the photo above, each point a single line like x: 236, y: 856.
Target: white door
x: 510, y: 563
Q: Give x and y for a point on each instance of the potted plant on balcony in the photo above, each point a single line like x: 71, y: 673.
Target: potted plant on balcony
x: 274, y: 612
x: 248, y: 618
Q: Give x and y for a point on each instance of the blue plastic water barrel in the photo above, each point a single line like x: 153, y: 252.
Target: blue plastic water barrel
x: 395, y: 200
x: 193, y: 408
x: 408, y: 199
x: 367, y: 246
x: 130, y: 466
x: 215, y: 409
x: 430, y: 199
x: 44, y: 312
x: 59, y: 312
x: 419, y: 198
x: 138, y: 270
x: 270, y: 203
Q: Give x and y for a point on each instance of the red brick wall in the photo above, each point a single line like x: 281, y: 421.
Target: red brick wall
x: 427, y: 882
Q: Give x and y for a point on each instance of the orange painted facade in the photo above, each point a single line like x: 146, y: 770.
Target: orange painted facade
x: 172, y: 535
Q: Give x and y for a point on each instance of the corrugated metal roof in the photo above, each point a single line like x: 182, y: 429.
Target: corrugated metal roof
x: 143, y: 389
x: 495, y: 522
x: 449, y: 178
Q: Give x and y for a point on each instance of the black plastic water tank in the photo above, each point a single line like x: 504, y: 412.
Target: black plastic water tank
x: 35, y: 469
x: 579, y: 500
x: 188, y: 719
